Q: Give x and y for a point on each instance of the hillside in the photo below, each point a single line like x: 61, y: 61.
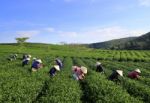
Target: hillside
x: 112, y: 44
x: 140, y: 43
x: 131, y: 43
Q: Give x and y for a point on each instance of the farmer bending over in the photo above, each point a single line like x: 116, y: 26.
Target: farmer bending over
x: 59, y: 63
x: 12, y: 57
x: 26, y: 56
x: 37, y: 64
x: 79, y: 72
x: 25, y: 61
x: 53, y: 70
x: 33, y: 60
x: 115, y: 75
x: 134, y: 74
x: 99, y: 67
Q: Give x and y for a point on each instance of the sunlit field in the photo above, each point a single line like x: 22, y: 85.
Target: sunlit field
x: 20, y: 85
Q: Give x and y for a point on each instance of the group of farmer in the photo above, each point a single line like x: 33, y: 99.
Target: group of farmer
x: 37, y: 64
x: 135, y: 74
x: 78, y: 72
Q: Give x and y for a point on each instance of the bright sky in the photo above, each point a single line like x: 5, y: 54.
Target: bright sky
x: 73, y: 21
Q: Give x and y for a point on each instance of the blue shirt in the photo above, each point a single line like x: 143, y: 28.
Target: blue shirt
x: 25, y: 61
x: 52, y: 71
x: 35, y: 64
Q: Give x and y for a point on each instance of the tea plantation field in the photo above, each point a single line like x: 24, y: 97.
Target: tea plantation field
x: 19, y: 85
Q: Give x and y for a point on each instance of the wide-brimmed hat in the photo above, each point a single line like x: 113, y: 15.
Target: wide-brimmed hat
x: 137, y: 70
x: 74, y: 67
x: 120, y: 72
x: 39, y: 60
x: 27, y: 58
x: 98, y: 63
x: 34, y: 58
x: 84, y: 69
x: 57, y: 67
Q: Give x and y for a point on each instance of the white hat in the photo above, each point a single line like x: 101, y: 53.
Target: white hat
x: 137, y: 70
x: 39, y: 60
x: 27, y: 58
x: 74, y: 67
x: 56, y: 67
x: 34, y: 58
x: 98, y: 63
x: 120, y: 72
x: 84, y: 69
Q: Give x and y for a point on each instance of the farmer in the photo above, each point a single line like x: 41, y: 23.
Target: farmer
x: 99, y: 67
x: 34, y: 59
x: 115, y: 75
x: 25, y: 61
x: 59, y: 63
x: 53, y: 70
x: 26, y: 56
x: 79, y: 72
x: 134, y: 74
x: 29, y: 56
x: 12, y: 57
x: 37, y: 64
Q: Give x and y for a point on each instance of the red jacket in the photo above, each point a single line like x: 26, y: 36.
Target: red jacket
x: 133, y: 75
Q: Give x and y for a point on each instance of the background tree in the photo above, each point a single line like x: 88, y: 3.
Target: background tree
x: 21, y: 41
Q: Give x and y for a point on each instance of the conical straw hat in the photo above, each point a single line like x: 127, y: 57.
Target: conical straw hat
x: 84, y: 69
x: 120, y: 72
x: 39, y: 60
x: 137, y: 70
x: 98, y: 63
x: 27, y: 58
x: 34, y: 58
x: 56, y: 67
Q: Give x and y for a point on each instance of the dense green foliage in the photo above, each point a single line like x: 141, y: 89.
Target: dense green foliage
x: 19, y: 85
x: 71, y: 51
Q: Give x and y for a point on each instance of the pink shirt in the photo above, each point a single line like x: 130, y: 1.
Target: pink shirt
x: 77, y: 70
x: 133, y: 75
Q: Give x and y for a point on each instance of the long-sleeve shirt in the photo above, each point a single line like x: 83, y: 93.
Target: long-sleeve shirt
x: 77, y: 71
x: 25, y: 62
x: 133, y: 75
x: 24, y: 57
x: 35, y: 65
x: 52, y: 71
x: 99, y: 68
x: 114, y: 76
